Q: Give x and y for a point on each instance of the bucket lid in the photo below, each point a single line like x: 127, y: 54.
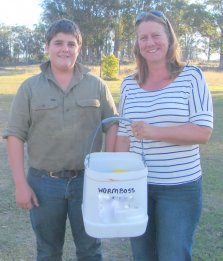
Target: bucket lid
x: 115, y: 166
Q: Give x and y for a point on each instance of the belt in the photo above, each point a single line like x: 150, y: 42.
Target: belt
x: 65, y: 173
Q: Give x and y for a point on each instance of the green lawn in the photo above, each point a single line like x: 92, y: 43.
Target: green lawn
x: 16, y: 237
x: 209, y: 239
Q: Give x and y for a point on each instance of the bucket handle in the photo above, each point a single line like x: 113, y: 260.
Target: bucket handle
x: 105, y: 121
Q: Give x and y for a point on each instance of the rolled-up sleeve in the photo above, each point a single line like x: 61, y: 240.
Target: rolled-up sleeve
x: 200, y: 101
x: 19, y: 116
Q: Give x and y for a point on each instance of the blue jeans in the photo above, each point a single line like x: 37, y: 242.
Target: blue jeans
x: 60, y: 198
x: 174, y: 213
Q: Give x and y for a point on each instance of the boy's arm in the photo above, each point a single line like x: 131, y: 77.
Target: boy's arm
x: 25, y: 197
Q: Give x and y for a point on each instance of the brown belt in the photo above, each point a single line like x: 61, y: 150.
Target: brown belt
x: 66, y: 173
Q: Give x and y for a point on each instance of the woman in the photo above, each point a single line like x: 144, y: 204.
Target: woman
x: 171, y: 109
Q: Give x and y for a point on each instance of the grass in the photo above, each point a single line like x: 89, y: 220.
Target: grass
x: 17, y: 241
x: 209, y: 238
x: 13, y: 77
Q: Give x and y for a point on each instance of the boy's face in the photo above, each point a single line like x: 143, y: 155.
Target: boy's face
x: 63, y: 51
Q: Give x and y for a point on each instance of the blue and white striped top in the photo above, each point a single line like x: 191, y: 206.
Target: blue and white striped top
x: 186, y: 99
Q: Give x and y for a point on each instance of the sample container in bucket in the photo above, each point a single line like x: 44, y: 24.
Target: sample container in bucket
x: 115, y: 195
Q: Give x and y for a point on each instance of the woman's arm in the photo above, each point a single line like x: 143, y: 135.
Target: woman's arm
x: 185, y: 134
x: 110, y: 138
x: 122, y: 144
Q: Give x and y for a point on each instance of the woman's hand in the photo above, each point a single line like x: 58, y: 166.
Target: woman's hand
x: 142, y: 130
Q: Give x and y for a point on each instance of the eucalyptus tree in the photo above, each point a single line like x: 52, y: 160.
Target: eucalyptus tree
x: 21, y: 42
x: 197, y: 24
x: 174, y: 10
x: 38, y: 47
x: 108, y: 27
x: 216, y: 7
x: 128, y: 36
x: 94, y: 18
x: 128, y: 11
x: 207, y: 28
x: 5, y: 44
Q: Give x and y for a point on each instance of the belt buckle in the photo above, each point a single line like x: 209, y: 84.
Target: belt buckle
x: 72, y: 174
x: 51, y: 174
x: 75, y: 174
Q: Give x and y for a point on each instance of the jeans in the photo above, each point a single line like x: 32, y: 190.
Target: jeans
x: 60, y: 198
x: 174, y: 213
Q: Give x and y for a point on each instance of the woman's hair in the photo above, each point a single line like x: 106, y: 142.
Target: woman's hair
x: 174, y: 62
x: 64, y: 26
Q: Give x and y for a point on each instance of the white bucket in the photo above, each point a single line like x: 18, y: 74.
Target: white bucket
x: 115, y: 195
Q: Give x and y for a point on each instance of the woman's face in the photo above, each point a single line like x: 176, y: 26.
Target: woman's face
x: 63, y: 51
x: 153, y: 42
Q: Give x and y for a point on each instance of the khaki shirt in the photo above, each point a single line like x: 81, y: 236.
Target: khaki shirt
x: 58, y: 125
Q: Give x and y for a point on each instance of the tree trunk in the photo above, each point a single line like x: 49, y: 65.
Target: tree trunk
x: 209, y: 49
x: 221, y: 50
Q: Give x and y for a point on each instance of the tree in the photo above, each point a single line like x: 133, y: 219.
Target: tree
x: 22, y: 43
x: 216, y: 6
x: 197, y: 22
x: 94, y: 18
x: 38, y: 36
x: 107, y: 28
x: 5, y: 43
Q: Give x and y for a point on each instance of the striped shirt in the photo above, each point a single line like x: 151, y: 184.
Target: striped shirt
x: 186, y: 99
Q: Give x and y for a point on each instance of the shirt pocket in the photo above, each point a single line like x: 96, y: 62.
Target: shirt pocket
x: 44, y: 105
x: 88, y: 111
x: 46, y: 114
x: 89, y: 103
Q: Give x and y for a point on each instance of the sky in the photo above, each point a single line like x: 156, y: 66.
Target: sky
x: 20, y: 12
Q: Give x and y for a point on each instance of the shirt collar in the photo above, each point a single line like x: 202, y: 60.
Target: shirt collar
x: 79, y: 71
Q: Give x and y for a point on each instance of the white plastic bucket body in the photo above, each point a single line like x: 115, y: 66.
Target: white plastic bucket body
x: 115, y: 195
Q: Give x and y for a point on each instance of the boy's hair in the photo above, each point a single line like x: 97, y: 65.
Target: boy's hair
x: 64, y: 26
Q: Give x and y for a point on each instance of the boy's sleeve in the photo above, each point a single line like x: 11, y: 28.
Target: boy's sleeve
x: 19, y: 116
